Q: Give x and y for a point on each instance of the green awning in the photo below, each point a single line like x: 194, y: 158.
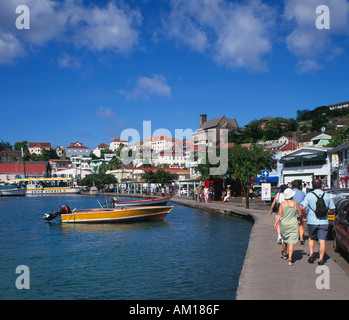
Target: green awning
x: 304, y: 157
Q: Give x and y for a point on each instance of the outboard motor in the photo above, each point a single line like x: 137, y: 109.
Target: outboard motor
x: 62, y: 210
x: 112, y: 202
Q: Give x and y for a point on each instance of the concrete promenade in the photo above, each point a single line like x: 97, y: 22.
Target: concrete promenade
x: 265, y: 276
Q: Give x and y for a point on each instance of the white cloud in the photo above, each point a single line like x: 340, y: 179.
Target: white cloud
x: 112, y: 27
x: 68, y: 61
x: 157, y: 85
x: 234, y: 34
x: 105, y: 28
x: 308, y: 66
x: 307, y: 42
x: 10, y: 48
x: 105, y: 113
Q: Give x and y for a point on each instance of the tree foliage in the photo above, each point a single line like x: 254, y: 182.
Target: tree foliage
x: 242, y: 161
x: 159, y: 176
x: 99, y: 179
x: 343, y: 137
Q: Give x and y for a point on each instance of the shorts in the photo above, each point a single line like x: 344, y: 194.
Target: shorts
x: 318, y: 230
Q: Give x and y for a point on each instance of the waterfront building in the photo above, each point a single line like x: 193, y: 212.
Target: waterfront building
x: 72, y: 173
x: 306, y: 164
x: 77, y: 149
x: 38, y: 147
x: 132, y: 175
x: 32, y: 169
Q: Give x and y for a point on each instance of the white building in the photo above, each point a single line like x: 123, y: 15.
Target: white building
x: 73, y: 173
x: 115, y: 144
x: 98, y: 151
x: 38, y: 147
x: 307, y: 164
x: 81, y: 163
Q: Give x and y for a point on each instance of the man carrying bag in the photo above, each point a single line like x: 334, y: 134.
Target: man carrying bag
x: 319, y: 204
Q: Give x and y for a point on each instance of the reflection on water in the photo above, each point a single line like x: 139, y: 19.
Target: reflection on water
x: 109, y: 227
x: 192, y: 254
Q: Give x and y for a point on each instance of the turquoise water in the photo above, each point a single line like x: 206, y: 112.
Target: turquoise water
x: 190, y: 255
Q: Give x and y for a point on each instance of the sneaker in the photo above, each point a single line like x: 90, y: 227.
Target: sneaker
x: 302, y: 242
x: 311, y: 259
x: 321, y: 262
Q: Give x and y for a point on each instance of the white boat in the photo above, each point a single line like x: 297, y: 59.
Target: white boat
x: 115, y: 203
x: 49, y: 186
x: 11, y: 189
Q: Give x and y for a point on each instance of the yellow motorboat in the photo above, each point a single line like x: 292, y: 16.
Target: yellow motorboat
x: 148, y: 213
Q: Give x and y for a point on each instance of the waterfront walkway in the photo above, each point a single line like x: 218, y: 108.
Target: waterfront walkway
x: 265, y: 276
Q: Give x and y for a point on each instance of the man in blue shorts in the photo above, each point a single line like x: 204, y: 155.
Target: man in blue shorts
x: 317, y: 226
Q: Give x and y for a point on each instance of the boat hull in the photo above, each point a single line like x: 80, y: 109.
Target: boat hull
x: 13, y: 193
x: 117, y: 215
x: 52, y: 191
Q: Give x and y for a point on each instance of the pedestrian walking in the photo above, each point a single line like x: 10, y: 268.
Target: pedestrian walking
x: 210, y: 189
x: 279, y: 198
x: 319, y: 204
x: 199, y: 191
x: 287, y: 219
x: 299, y: 197
x: 206, y: 194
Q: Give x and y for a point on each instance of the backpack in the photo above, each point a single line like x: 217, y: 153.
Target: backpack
x: 321, y: 208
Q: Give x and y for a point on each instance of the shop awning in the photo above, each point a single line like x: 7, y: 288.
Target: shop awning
x: 272, y: 179
x: 304, y: 157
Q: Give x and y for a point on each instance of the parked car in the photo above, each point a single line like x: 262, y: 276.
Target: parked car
x: 340, y: 229
x: 336, y: 194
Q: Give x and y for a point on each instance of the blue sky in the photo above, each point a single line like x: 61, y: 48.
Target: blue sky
x: 87, y: 70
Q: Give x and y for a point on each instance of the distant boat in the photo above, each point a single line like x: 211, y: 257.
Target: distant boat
x: 48, y: 186
x: 115, y: 203
x: 114, y: 215
x: 10, y: 189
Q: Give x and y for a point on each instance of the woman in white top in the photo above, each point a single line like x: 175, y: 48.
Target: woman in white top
x: 279, y: 198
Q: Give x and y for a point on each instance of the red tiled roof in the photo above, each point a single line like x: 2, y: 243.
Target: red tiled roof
x: 39, y: 144
x: 290, y: 146
x: 118, y: 140
x: 30, y: 168
x: 77, y: 145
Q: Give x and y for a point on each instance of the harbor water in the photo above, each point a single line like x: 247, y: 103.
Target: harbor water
x: 191, y: 255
